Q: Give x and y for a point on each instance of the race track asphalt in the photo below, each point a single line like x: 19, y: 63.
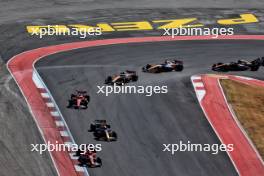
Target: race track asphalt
x: 145, y: 123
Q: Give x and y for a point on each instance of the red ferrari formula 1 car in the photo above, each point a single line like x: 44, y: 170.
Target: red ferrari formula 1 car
x: 79, y: 100
x: 167, y: 66
x: 90, y: 159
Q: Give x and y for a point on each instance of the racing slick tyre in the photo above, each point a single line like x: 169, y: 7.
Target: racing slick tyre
x: 254, y: 68
x: 99, y: 161
x: 134, y: 78
x: 78, y: 152
x: 114, y: 135
x: 82, y: 160
x: 108, y: 80
x: 92, y: 128
x: 262, y: 61
x: 87, y: 98
x: 72, y: 96
x: 145, y: 69
x: 84, y: 104
x: 70, y: 104
x: 148, y: 66
x: 179, y: 68
x: 214, y: 68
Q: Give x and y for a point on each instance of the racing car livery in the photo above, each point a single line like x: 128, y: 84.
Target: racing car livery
x: 102, y: 132
x: 90, y: 159
x: 122, y: 78
x: 79, y: 100
x: 240, y: 65
x: 105, y: 135
x: 98, y: 124
x: 167, y: 66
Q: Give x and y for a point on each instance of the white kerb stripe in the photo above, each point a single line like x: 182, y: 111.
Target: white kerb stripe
x: 45, y: 95
x: 78, y: 168
x: 64, y: 133
x: 198, y: 84
x: 196, y: 77
x: 200, y: 94
x: 55, y: 113
x: 59, y: 123
x: 36, y: 80
x: 72, y: 155
x: 51, y: 105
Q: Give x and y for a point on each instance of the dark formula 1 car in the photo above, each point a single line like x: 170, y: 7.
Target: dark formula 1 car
x: 102, y: 132
x: 90, y: 159
x: 167, y: 66
x: 240, y: 65
x: 105, y: 134
x: 122, y: 78
x: 79, y: 100
x: 99, y: 124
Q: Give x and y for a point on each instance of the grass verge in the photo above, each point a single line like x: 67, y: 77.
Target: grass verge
x: 247, y: 102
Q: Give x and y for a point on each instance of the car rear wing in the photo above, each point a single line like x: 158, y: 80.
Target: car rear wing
x: 178, y: 61
x: 100, y: 121
x: 81, y: 91
x: 129, y: 71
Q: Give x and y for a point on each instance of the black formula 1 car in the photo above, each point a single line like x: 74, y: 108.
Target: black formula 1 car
x: 167, y: 66
x: 90, y: 159
x: 240, y: 65
x: 105, y: 134
x: 102, y: 132
x: 79, y: 100
x: 99, y: 124
x: 122, y: 78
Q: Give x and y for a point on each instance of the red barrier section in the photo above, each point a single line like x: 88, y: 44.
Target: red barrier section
x: 21, y: 67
